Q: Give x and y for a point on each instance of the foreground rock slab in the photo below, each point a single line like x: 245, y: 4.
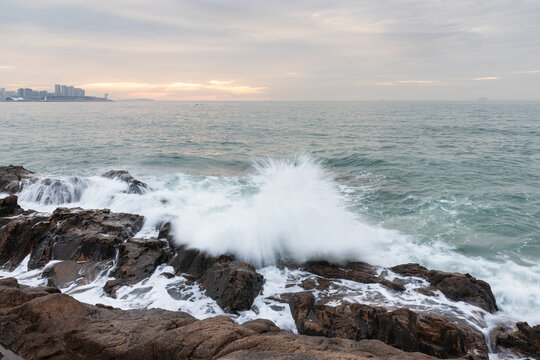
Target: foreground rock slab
x: 43, y: 324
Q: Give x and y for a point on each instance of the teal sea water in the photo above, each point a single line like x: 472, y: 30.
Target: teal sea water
x: 452, y: 185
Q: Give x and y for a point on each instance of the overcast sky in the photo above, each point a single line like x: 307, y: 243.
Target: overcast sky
x: 275, y: 50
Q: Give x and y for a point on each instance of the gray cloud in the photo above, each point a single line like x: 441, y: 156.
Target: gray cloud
x: 286, y: 50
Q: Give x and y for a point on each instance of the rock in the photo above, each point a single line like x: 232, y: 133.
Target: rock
x: 137, y: 260
x: 65, y: 273
x: 135, y: 186
x: 354, y: 271
x: 19, y: 237
x: 192, y: 261
x: 11, y: 177
x: 12, y: 294
x: 233, y: 284
x: 83, y: 235
x: 458, y: 287
x: 401, y: 328
x: 56, y: 326
x: 525, y: 340
x: 9, y: 206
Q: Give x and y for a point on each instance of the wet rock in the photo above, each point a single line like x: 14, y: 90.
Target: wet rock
x: 135, y: 186
x: 65, y: 273
x: 19, y: 237
x: 165, y: 231
x: 56, y: 326
x: 401, y: 328
x: 9, y: 206
x: 354, y: 271
x: 233, y: 284
x: 525, y: 340
x: 192, y: 261
x: 83, y: 235
x: 137, y: 260
x: 11, y: 177
x: 13, y: 294
x: 456, y: 286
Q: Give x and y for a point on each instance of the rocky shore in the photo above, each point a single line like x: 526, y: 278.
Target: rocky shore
x: 76, y: 246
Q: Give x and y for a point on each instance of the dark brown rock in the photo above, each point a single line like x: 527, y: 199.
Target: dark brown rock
x: 354, y: 271
x: 56, y: 326
x: 11, y: 177
x: 19, y: 237
x: 65, y: 273
x: 135, y: 186
x: 137, y: 260
x: 192, y: 261
x: 456, y: 286
x: 83, y: 235
x: 525, y: 340
x: 9, y: 206
x: 233, y: 284
x: 13, y: 294
x: 401, y: 328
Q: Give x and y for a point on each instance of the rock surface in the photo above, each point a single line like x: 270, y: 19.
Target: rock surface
x: 135, y: 186
x: 18, y: 237
x: 354, y: 271
x: 455, y: 286
x: 525, y: 340
x: 401, y: 328
x: 83, y: 235
x: 233, y: 284
x: 47, y: 325
x: 137, y: 260
x: 9, y: 206
x: 11, y: 177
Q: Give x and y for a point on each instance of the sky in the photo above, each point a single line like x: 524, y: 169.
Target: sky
x: 275, y: 50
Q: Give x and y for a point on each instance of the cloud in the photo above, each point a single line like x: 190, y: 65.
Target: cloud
x: 5, y: 67
x: 486, y: 78
x: 163, y: 90
x: 528, y: 72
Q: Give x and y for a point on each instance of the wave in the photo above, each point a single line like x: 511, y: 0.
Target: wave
x: 286, y: 209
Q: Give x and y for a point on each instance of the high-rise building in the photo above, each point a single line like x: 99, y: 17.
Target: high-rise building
x: 2, y: 93
x: 58, y: 90
x: 65, y: 90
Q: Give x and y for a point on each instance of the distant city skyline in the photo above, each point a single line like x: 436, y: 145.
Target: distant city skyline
x: 279, y: 50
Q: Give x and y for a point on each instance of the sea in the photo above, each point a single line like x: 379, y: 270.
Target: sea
x: 453, y: 186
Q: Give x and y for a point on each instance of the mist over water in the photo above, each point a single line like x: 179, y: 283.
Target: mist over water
x: 453, y: 186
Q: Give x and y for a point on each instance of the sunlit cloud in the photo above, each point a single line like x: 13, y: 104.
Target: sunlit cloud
x: 167, y: 90
x: 409, y: 82
x: 528, y: 72
x: 5, y: 67
x: 486, y: 78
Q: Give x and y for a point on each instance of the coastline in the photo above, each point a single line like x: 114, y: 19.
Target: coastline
x: 318, y: 294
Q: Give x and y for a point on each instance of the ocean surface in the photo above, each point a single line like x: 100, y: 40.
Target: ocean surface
x: 451, y: 185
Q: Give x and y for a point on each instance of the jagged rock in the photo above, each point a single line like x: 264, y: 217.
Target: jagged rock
x: 13, y: 294
x: 56, y: 326
x: 233, y: 284
x: 19, y: 237
x: 401, y: 328
x: 525, y: 340
x: 192, y: 261
x: 458, y: 287
x: 11, y: 177
x: 135, y: 186
x: 63, y: 274
x: 83, y: 235
x: 355, y: 271
x: 9, y: 206
x: 137, y: 260
x: 165, y: 230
